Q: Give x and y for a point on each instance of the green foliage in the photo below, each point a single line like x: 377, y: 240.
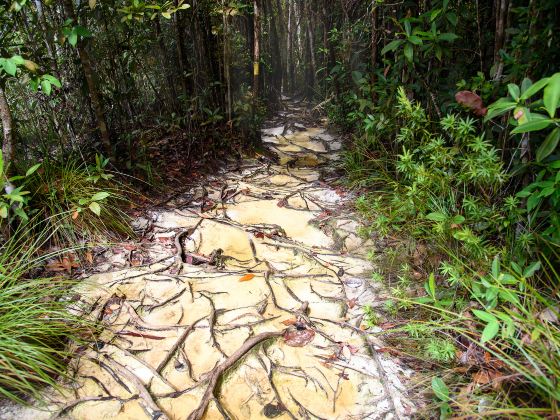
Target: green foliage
x: 77, y: 202
x: 37, y: 321
x: 13, y: 203
x: 440, y: 350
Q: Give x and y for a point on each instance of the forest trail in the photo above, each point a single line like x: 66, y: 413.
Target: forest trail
x: 244, y: 300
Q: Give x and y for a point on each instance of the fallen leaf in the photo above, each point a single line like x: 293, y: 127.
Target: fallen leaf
x: 247, y: 277
x: 89, y: 257
x: 75, y: 215
x: 352, y: 302
x: 291, y: 321
x: 282, y: 203
x: 299, y: 337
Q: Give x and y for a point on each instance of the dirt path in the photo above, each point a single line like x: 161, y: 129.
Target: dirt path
x: 245, y: 302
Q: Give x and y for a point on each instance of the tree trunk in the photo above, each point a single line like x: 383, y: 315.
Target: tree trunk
x: 257, y: 48
x: 8, y: 151
x: 311, y: 46
x: 290, y: 48
x: 94, y: 95
x: 179, y: 32
x: 501, y: 17
x: 227, y: 74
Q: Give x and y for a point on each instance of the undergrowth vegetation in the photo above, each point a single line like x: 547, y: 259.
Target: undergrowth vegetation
x: 38, y: 319
x: 452, y: 109
x: 55, y: 213
x: 473, y: 281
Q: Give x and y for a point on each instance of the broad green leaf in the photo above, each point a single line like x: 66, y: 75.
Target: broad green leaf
x: 391, y: 46
x: 533, y: 201
x: 9, y: 67
x: 18, y: 60
x: 83, y: 32
x: 3, y: 212
x: 436, y: 217
x: 448, y: 36
x: 551, y: 95
x: 534, y: 88
x: 485, y: 316
x: 414, y: 40
x: 490, y: 331
x: 73, y: 38
x: 532, y: 269
x: 95, y: 207
x: 440, y: 389
x: 32, y: 169
x: 525, y: 84
x: 514, y: 91
x: 458, y: 219
x: 407, y: 27
x: 101, y: 195
x: 166, y: 15
x: 534, y: 125
x: 92, y: 4
x: 499, y: 107
x: 53, y: 80
x: 549, y: 144
x: 408, y: 52
x: 46, y: 87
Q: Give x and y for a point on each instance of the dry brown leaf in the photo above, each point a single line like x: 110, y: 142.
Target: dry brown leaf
x: 298, y: 338
x: 247, y: 277
x: 75, y: 215
x: 291, y: 321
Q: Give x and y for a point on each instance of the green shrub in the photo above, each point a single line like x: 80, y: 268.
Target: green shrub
x: 77, y: 202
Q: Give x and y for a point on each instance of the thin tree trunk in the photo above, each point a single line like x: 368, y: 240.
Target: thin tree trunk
x: 311, y: 46
x: 257, y: 48
x: 227, y: 74
x: 501, y: 17
x: 94, y: 95
x: 179, y: 31
x: 290, y: 48
x: 8, y: 151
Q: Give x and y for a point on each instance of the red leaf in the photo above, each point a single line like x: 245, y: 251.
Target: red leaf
x: 472, y: 101
x: 290, y: 321
x: 298, y: 338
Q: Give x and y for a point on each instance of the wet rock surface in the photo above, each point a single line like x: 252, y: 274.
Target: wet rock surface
x: 244, y: 301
